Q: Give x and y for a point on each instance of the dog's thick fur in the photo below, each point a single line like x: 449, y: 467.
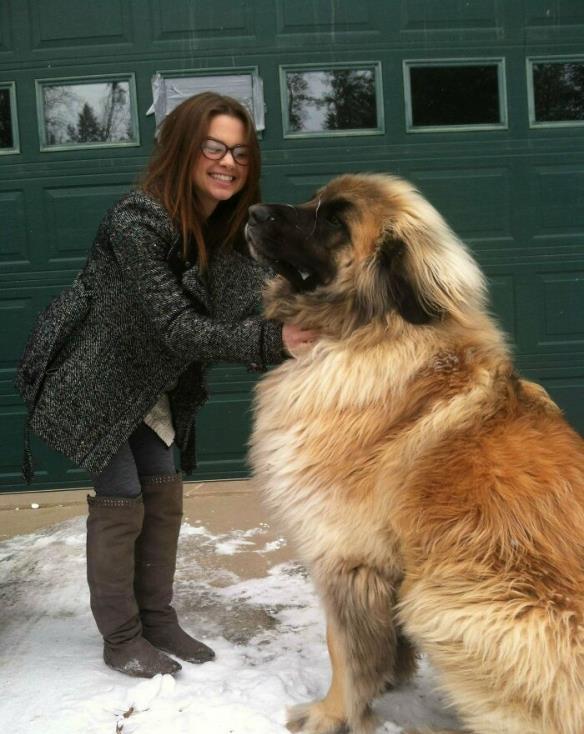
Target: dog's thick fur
x: 437, y: 499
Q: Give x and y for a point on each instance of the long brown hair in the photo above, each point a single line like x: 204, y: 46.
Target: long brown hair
x: 169, y: 174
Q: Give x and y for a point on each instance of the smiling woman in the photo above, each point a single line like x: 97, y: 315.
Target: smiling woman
x: 190, y: 183
x: 114, y: 372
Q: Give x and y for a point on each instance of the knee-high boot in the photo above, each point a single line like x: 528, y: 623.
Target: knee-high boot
x: 113, y: 524
x: 155, y: 566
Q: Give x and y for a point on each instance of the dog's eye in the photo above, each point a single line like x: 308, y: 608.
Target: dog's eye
x: 334, y: 221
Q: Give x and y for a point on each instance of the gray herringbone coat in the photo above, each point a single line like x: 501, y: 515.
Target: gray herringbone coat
x: 129, y: 327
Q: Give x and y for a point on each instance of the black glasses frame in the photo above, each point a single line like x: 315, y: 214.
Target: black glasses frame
x: 226, y: 149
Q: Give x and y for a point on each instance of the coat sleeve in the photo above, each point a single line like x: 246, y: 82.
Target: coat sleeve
x: 141, y: 233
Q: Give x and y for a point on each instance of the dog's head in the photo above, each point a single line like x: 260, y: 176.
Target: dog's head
x: 367, y: 247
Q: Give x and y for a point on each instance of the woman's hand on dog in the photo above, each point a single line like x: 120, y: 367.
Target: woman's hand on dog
x: 296, y: 339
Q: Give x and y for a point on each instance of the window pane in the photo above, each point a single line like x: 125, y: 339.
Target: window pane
x: 455, y: 95
x: 558, y: 90
x: 6, y: 134
x: 336, y: 99
x: 92, y: 112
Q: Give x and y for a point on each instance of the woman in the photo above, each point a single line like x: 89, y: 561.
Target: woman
x: 113, y: 373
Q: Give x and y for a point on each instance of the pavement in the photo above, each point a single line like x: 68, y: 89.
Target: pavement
x: 221, y: 506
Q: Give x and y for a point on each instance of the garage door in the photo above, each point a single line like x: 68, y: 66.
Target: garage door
x: 480, y: 103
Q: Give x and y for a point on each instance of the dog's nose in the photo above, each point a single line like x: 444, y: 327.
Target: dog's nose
x: 259, y: 213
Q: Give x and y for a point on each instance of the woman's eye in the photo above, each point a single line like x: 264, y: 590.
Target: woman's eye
x: 241, y: 154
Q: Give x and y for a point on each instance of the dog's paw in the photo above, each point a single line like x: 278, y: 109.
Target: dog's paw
x: 312, y: 718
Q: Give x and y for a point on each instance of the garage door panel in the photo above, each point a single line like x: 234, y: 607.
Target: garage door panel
x: 550, y: 305
x: 558, y: 199
x: 16, y: 314
x: 47, y: 463
x: 222, y: 433
x: 88, y: 25
x: 223, y: 423
x: 14, y: 245
x: 476, y: 201
x: 447, y: 19
x: 553, y: 19
x: 19, y: 308
x: 72, y: 215
x: 541, y: 311
x: 301, y: 20
x: 202, y: 24
x: 561, y: 306
x: 6, y: 33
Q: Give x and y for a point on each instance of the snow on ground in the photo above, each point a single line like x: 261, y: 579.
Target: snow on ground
x: 268, y: 634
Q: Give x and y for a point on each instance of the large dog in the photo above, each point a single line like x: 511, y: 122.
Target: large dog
x: 437, y: 499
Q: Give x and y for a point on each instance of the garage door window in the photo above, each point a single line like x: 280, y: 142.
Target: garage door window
x: 455, y: 95
x: 8, y: 122
x: 556, y: 90
x: 89, y: 112
x: 332, y: 100
x: 170, y: 88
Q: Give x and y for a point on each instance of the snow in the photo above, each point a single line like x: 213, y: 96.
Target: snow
x: 268, y: 634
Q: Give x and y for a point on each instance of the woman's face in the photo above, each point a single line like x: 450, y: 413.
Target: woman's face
x: 219, y: 180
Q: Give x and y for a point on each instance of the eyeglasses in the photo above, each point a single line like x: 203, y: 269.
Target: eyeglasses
x: 215, y: 150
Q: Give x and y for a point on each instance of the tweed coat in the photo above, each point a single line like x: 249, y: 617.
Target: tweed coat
x: 133, y: 326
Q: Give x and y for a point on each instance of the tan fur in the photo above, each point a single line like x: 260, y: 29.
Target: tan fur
x: 435, y: 496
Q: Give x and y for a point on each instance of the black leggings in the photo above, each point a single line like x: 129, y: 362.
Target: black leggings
x: 144, y: 454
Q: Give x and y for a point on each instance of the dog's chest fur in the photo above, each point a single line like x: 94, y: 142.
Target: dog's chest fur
x: 314, y: 453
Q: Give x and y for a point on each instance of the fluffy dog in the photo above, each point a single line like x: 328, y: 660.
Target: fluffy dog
x: 437, y: 499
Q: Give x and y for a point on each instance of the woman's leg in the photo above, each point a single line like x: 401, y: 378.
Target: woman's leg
x: 120, y: 477
x: 156, y: 548
x: 114, y: 523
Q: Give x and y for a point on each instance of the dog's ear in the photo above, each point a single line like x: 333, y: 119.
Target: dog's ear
x: 402, y: 291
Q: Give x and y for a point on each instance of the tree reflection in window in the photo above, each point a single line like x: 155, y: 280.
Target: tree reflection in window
x: 6, y: 134
x: 331, y: 100
x: 558, y: 90
x: 87, y: 113
x: 455, y: 95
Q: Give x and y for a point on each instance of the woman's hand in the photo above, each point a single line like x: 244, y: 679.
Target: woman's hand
x: 296, y: 339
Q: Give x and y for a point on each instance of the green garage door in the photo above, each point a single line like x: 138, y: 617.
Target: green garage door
x: 481, y: 103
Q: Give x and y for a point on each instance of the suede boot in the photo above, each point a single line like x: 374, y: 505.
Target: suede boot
x: 155, y: 566
x: 113, y: 524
